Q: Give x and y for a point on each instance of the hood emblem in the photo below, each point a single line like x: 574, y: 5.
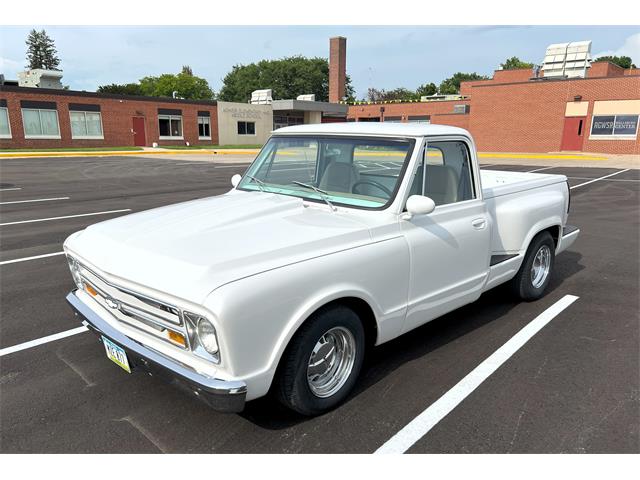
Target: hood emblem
x: 111, y: 303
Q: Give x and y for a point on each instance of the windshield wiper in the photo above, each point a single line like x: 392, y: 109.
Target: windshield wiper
x: 259, y: 182
x: 322, y: 193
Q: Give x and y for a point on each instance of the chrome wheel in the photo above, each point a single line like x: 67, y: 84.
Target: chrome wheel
x: 331, y: 362
x: 541, y: 266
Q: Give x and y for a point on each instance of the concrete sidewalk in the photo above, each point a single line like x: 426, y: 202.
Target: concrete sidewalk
x: 232, y: 155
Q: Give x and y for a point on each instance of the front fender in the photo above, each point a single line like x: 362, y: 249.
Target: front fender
x: 259, y: 315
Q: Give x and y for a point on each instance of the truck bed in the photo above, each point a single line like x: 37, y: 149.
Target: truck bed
x: 496, y: 183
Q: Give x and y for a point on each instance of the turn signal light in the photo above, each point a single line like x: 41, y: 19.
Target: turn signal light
x: 177, y: 338
x: 92, y: 291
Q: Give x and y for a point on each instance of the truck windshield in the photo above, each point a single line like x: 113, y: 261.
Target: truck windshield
x: 355, y: 172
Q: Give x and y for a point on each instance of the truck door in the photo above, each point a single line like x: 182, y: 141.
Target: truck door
x: 450, y: 248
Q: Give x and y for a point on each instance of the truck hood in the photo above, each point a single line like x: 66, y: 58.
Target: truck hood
x: 189, y: 249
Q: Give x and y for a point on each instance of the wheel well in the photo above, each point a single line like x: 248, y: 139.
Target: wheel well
x: 364, y: 312
x: 555, y: 233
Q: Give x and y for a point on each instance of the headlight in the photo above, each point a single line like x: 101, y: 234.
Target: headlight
x: 207, y: 336
x: 205, y: 333
x: 75, y: 271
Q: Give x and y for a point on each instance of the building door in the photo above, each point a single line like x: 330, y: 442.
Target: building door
x: 573, y: 133
x: 139, y: 137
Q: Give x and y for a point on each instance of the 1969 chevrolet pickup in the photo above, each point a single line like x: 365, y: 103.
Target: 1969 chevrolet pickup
x: 338, y: 237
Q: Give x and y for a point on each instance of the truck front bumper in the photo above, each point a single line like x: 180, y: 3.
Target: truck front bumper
x: 221, y: 395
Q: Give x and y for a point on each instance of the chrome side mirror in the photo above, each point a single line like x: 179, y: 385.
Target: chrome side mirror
x: 235, y: 180
x: 419, y: 205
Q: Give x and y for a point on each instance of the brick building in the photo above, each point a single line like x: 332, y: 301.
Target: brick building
x: 52, y: 118
x: 513, y: 112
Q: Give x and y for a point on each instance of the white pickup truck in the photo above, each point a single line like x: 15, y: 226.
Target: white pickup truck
x: 338, y: 237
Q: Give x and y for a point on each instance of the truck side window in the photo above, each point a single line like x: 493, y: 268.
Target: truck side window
x: 447, y: 177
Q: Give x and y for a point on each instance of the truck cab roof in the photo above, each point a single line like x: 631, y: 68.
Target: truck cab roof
x: 374, y: 128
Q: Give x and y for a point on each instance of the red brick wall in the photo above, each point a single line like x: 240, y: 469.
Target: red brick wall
x: 452, y: 119
x: 604, y: 69
x: 517, y: 75
x: 404, y: 109
x: 117, y: 120
x: 337, y: 68
x: 529, y: 117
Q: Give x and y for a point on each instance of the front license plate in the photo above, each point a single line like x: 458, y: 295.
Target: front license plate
x: 116, y: 354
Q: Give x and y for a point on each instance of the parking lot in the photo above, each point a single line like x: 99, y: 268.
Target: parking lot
x: 573, y: 387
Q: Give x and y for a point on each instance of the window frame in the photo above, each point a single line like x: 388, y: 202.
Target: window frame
x: 163, y: 116
x: 40, y: 136
x: 613, y: 136
x: 246, y: 123
x: 6, y: 135
x: 208, y: 119
x: 86, y: 137
x: 474, y: 171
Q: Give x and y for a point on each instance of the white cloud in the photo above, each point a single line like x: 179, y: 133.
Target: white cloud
x: 630, y: 48
x: 10, y: 68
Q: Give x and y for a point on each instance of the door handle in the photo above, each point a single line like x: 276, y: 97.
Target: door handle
x: 479, y: 223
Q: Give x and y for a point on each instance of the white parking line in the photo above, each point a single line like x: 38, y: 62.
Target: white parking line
x: 540, y: 169
x: 420, y: 426
x: 24, y: 259
x: 40, y: 341
x: 36, y: 200
x: 601, y: 178
x: 66, y: 216
x: 8, y: 189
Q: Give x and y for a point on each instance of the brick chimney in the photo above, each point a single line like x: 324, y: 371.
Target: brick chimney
x: 337, y: 68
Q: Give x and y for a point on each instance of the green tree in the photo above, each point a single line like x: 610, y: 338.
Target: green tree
x: 122, y: 89
x: 287, y: 78
x: 426, y: 90
x: 184, y: 84
x: 186, y: 69
x: 451, y: 85
x: 397, y: 94
x: 624, y: 62
x: 41, y: 51
x: 515, y: 63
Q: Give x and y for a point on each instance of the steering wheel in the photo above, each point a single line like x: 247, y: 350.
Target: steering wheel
x: 373, y: 183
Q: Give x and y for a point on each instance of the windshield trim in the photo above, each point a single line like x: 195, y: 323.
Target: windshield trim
x: 405, y: 164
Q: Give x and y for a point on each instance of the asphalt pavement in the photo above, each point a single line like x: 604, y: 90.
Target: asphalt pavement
x: 573, y: 387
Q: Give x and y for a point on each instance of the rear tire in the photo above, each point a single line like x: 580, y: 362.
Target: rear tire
x: 535, y: 272
x: 322, y: 362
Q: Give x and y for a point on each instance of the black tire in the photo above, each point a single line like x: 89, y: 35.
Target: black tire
x: 291, y: 385
x: 522, y: 284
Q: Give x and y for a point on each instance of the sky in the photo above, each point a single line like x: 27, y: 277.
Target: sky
x: 382, y: 57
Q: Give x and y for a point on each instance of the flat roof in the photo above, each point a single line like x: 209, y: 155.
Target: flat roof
x: 375, y: 128
x: 309, y: 106
x: 112, y: 96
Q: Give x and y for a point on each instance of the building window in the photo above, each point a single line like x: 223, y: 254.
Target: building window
x: 246, y: 128
x: 170, y: 127
x: 40, y: 123
x: 393, y: 119
x: 614, y: 127
x: 86, y: 125
x: 5, y: 127
x: 204, y: 128
x: 419, y: 119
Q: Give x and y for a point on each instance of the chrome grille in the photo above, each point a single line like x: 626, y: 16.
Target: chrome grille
x: 134, y: 309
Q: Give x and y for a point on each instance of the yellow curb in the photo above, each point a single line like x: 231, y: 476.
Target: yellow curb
x: 541, y: 156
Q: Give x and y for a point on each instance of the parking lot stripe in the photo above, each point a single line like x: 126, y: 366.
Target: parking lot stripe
x: 36, y: 200
x: 540, y: 169
x: 429, y: 418
x: 40, y: 341
x: 16, y: 260
x: 66, y: 216
x: 8, y: 189
x: 601, y: 178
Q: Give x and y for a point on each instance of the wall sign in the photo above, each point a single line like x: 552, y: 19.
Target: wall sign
x: 615, y: 125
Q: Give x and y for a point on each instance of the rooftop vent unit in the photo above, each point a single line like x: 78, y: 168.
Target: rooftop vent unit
x: 307, y: 98
x: 568, y: 60
x: 40, y: 78
x: 261, y: 97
